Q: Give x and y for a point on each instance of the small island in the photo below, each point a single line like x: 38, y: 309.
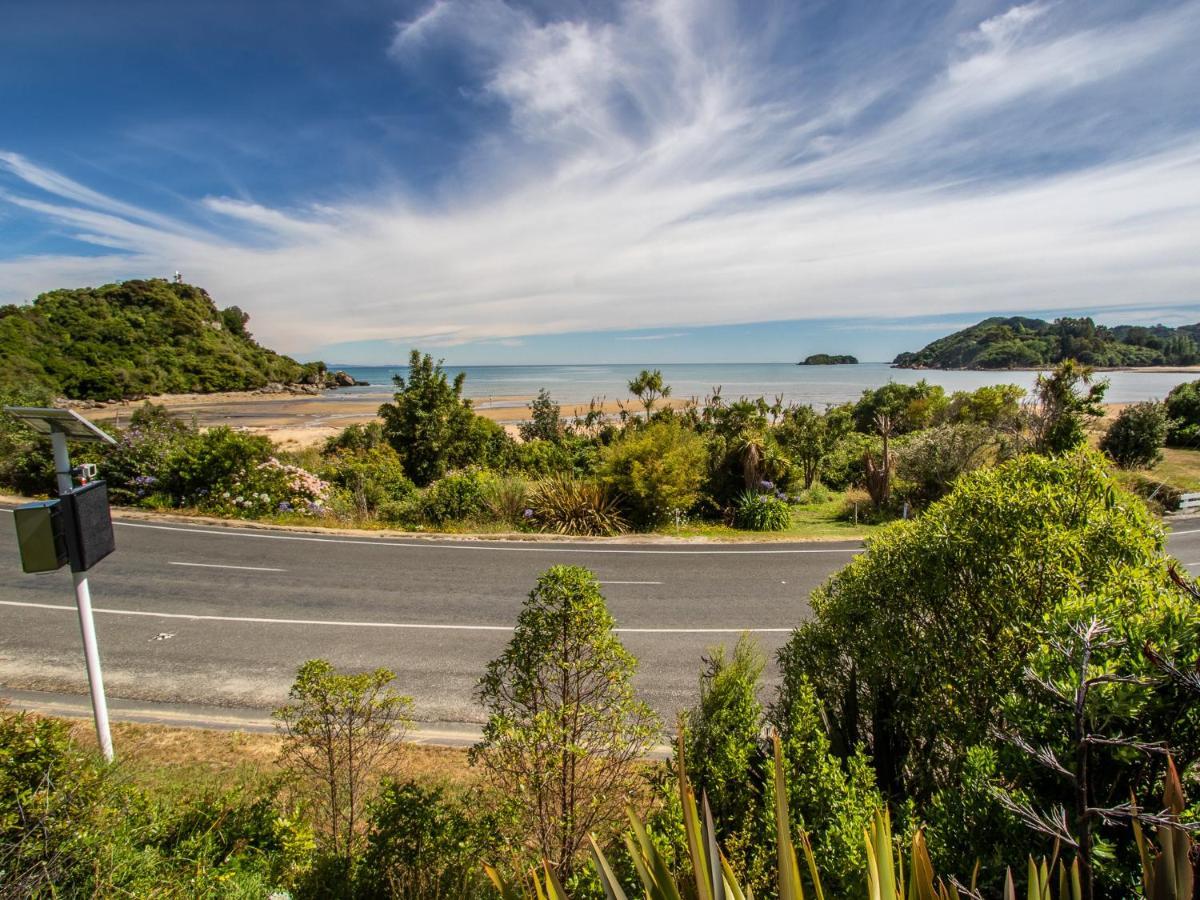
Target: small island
x: 825, y: 359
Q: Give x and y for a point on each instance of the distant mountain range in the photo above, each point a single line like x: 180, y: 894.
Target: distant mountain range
x: 136, y: 338
x: 1022, y: 343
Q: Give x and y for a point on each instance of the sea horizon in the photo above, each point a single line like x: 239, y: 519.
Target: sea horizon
x: 575, y: 384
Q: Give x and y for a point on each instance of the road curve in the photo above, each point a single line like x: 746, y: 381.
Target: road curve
x: 219, y: 616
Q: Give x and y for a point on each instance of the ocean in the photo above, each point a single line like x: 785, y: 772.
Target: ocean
x: 572, y: 386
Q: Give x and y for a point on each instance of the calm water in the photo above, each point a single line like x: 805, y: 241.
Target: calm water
x: 502, y: 386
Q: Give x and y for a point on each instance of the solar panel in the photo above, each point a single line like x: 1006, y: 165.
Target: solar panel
x: 66, y: 421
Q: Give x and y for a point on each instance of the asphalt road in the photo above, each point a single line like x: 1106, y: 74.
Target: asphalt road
x: 209, y: 617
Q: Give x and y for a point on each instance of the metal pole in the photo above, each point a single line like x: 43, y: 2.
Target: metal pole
x: 83, y: 601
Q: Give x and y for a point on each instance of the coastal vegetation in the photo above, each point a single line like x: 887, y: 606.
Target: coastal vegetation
x: 1007, y: 676
x: 134, y: 339
x: 707, y: 466
x: 1023, y: 343
x: 825, y: 359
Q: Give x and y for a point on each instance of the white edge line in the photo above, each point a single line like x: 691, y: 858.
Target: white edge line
x: 413, y: 626
x: 432, y: 545
x: 630, y: 582
x: 219, y: 566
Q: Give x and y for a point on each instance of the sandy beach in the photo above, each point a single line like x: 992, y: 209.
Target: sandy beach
x: 302, y: 420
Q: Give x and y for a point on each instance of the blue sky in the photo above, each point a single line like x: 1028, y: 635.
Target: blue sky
x: 664, y: 180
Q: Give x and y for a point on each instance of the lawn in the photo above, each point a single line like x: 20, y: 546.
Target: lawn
x: 810, y: 522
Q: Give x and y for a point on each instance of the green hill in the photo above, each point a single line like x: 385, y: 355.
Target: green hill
x: 1021, y: 343
x: 136, y: 338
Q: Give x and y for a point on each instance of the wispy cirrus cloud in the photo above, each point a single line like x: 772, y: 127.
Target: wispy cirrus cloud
x: 673, y: 164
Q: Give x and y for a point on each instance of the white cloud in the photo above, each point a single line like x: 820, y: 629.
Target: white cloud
x: 657, y: 174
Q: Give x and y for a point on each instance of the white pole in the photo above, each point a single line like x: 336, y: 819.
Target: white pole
x: 83, y: 601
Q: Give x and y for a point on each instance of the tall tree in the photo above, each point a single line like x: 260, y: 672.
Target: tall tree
x: 565, y: 731
x: 431, y: 425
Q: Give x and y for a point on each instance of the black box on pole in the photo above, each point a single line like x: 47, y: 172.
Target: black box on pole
x: 88, y: 525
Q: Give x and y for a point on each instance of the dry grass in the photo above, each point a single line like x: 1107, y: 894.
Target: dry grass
x: 160, y: 756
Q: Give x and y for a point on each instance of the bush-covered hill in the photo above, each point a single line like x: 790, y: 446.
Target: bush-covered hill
x: 825, y: 359
x: 135, y: 338
x: 1018, y: 342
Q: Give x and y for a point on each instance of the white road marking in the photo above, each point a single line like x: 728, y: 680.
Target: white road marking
x: 631, y: 582
x: 334, y: 623
x: 438, y: 545
x: 1176, y: 533
x: 219, y: 566
x: 1189, y: 565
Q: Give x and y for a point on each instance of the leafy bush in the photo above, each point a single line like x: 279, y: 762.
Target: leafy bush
x: 26, y: 464
x: 917, y: 640
x: 1135, y: 439
x: 655, y: 469
x: 433, y: 428
x: 930, y: 461
x: 723, y: 756
x: 566, y: 733
x: 566, y: 505
x: 545, y: 420
x: 762, y: 512
x: 423, y: 843
x: 910, y: 407
x: 374, y: 477
x: 340, y: 730
x: 455, y: 498
x: 1183, y: 411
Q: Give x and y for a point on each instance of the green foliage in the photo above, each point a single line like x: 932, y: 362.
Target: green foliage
x: 70, y: 827
x: 26, y: 464
x: 135, y: 338
x: 341, y: 730
x: 1018, y: 342
x: 433, y: 428
x: 655, y: 470
x: 995, y: 405
x: 930, y: 461
x: 909, y: 407
x: 648, y: 387
x: 545, y: 420
x: 424, y: 844
x: 833, y: 799
x: 916, y: 642
x: 1135, y: 439
x: 457, y: 497
x: 356, y: 439
x: 374, y: 478
x: 1066, y: 399
x: 724, y: 759
x: 810, y: 437
x: 565, y: 731
x: 757, y: 511
x: 565, y: 505
x: 505, y: 499
x: 1183, y: 411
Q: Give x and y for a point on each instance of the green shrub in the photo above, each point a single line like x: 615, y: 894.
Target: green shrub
x: 930, y: 461
x: 655, y: 469
x: 833, y: 797
x: 456, y: 498
x: 1183, y: 411
x: 1135, y: 439
x: 724, y: 759
x: 373, y: 477
x: 916, y: 642
x: 433, y: 428
x: 762, y: 512
x: 566, y: 505
x: 423, y: 843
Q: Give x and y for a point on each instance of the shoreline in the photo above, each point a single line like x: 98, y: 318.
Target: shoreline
x: 300, y: 420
